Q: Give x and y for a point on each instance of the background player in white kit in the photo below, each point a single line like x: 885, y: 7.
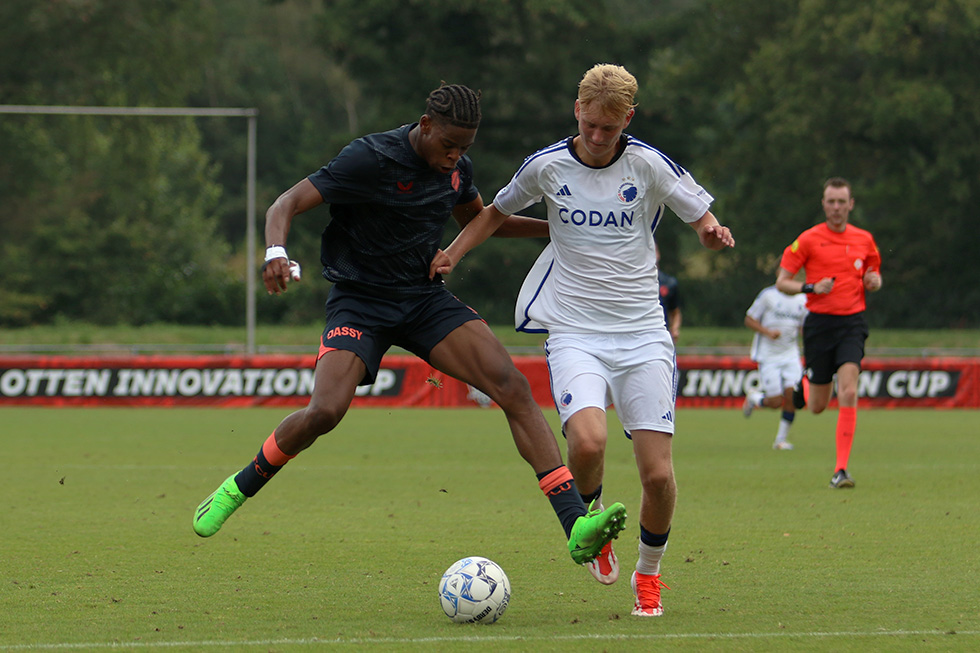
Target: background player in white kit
x: 776, y: 319
x: 594, y: 289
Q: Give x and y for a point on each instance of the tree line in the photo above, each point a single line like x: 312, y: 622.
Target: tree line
x: 123, y: 220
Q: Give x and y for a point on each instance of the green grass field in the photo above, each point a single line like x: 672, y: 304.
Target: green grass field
x: 345, y: 547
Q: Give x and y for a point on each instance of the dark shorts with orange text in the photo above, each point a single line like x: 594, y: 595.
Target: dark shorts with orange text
x: 369, y: 324
x: 829, y: 341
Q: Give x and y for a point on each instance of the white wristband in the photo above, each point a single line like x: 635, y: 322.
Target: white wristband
x: 276, y: 251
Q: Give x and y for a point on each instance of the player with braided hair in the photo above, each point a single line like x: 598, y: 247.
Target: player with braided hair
x: 456, y: 104
x: 390, y: 196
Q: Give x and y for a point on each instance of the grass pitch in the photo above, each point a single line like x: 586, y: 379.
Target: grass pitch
x: 344, y: 549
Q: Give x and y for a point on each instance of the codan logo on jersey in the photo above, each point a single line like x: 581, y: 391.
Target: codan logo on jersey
x: 404, y: 187
x: 593, y: 218
x: 582, y: 217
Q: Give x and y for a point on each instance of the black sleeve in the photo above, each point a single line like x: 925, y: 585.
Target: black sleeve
x: 349, y: 178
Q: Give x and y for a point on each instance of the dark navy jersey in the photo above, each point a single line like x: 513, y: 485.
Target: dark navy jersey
x: 670, y: 295
x: 388, y: 212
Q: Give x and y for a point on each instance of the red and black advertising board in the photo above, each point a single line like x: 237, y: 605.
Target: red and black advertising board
x: 705, y: 381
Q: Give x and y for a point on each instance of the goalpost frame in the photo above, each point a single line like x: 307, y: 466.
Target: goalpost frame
x: 250, y: 113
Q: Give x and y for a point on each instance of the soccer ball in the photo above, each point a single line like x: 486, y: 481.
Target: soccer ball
x: 474, y: 590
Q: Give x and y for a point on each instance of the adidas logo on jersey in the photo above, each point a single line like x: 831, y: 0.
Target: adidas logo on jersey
x: 563, y: 191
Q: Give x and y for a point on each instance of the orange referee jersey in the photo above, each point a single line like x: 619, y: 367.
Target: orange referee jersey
x: 844, y: 256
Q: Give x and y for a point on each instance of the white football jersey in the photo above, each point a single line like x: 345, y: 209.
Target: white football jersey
x: 777, y: 310
x: 599, y: 273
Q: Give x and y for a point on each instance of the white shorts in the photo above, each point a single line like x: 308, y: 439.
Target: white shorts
x: 636, y: 372
x: 777, y: 375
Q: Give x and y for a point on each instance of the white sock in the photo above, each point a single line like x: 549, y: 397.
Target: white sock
x: 783, y: 430
x: 649, y: 560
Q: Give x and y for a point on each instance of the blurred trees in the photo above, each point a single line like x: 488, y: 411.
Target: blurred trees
x: 138, y: 220
x: 877, y: 92
x: 107, y: 219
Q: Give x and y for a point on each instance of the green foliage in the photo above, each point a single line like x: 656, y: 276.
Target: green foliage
x: 102, y: 51
x: 111, y: 219
x: 761, y: 101
x: 876, y: 92
x: 128, y: 236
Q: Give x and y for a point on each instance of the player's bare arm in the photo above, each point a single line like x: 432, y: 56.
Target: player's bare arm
x: 515, y: 226
x: 674, y: 320
x: 477, y: 230
x: 756, y: 325
x: 787, y: 284
x: 712, y: 234
x: 300, y: 198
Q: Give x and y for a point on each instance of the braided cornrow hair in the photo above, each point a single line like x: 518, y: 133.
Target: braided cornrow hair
x: 456, y: 104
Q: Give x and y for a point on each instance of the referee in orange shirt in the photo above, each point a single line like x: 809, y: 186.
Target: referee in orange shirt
x: 842, y: 262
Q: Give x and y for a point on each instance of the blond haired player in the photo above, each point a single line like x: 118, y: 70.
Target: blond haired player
x: 594, y: 290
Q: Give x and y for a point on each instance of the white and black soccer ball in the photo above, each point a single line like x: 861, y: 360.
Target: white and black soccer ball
x: 474, y: 590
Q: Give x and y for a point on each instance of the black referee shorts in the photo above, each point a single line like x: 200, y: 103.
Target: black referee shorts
x: 369, y: 324
x: 829, y: 341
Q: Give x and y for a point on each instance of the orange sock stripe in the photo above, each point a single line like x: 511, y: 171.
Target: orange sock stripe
x: 555, y: 479
x: 272, y: 452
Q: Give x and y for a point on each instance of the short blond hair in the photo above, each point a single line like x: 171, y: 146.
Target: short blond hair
x: 609, y: 85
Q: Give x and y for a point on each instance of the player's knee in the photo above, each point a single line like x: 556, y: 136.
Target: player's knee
x: 509, y: 389
x: 322, y: 419
x: 586, y: 449
x: 847, y: 397
x: 658, y: 480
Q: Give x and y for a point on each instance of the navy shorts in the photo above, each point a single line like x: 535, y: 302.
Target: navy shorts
x: 368, y: 324
x: 829, y: 341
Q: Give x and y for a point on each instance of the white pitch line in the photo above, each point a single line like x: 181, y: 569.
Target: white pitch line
x: 478, y: 639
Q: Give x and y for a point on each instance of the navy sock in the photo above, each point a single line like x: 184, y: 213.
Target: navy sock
x: 559, y: 486
x: 788, y: 416
x: 653, y: 539
x: 588, y: 498
x: 256, y: 474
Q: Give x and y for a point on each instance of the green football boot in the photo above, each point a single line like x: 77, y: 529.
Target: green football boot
x: 594, y: 530
x: 214, y: 510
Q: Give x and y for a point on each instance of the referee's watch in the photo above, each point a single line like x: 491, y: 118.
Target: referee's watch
x: 807, y: 288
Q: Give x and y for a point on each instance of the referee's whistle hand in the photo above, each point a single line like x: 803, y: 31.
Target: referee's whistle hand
x: 824, y: 286
x: 872, y: 281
